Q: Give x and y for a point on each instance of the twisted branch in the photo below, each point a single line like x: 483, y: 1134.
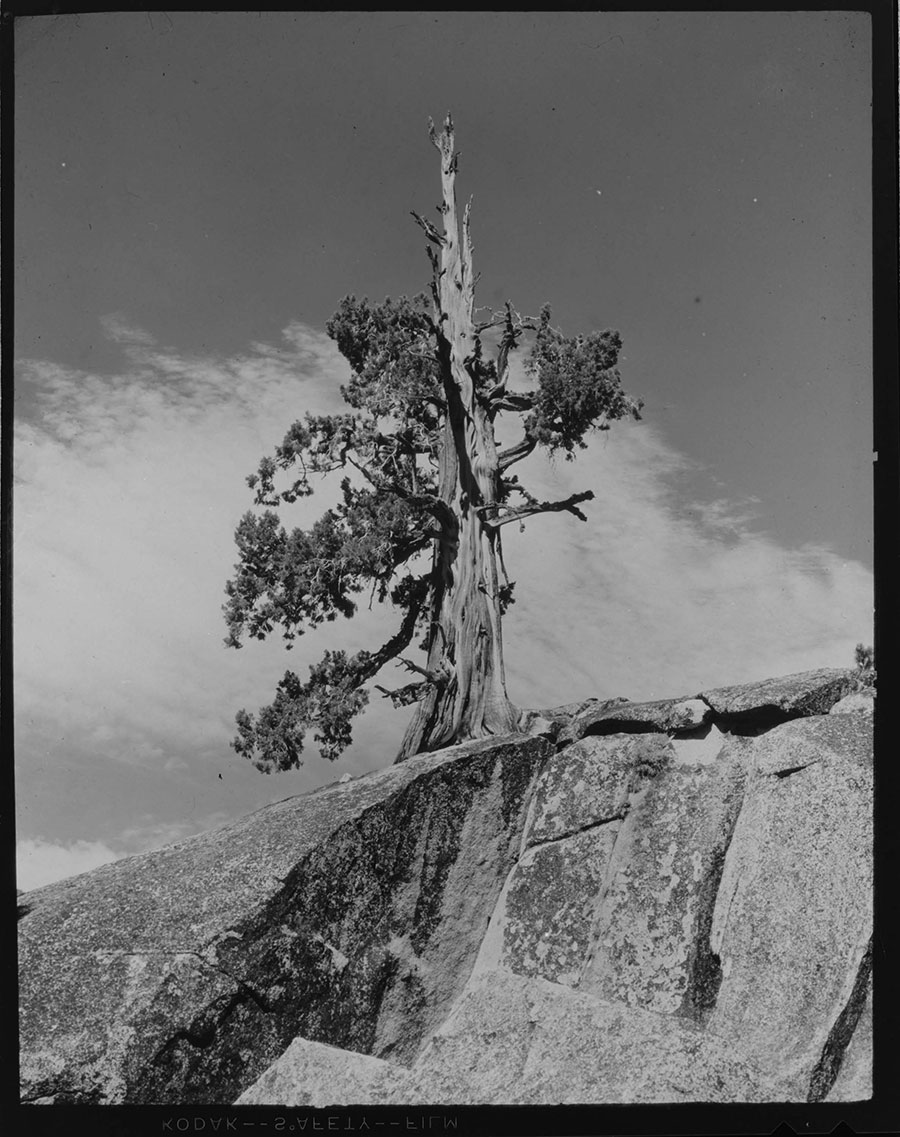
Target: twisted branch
x: 569, y: 505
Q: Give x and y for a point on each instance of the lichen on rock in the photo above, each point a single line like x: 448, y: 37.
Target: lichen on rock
x: 638, y: 903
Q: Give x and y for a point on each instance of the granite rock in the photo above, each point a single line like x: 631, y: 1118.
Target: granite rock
x: 674, y: 905
x: 793, y: 913
x: 350, y: 916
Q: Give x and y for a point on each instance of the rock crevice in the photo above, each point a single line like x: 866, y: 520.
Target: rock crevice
x: 829, y: 1065
x: 639, y: 902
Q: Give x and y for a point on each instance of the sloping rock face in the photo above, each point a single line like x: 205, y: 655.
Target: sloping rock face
x: 675, y: 909
x: 312, y: 1074
x: 351, y: 916
x: 529, y: 1042
x: 795, y: 902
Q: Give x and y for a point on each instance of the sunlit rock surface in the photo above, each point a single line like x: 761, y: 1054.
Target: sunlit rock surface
x: 657, y: 902
x: 351, y: 916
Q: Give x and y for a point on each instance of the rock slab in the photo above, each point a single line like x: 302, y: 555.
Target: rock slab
x: 351, y: 916
x: 793, y: 914
x: 676, y: 911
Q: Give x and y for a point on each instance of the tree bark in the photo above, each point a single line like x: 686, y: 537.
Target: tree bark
x: 467, y: 693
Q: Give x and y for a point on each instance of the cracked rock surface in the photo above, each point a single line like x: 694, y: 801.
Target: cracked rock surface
x: 639, y: 903
x: 350, y: 916
x: 793, y: 915
x: 528, y: 1041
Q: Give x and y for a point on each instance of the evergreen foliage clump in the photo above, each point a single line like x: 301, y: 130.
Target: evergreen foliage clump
x: 865, y: 667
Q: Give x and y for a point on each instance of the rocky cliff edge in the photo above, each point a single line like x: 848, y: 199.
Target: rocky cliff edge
x: 640, y: 902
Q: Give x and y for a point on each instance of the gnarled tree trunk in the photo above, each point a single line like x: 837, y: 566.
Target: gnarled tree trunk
x: 467, y: 696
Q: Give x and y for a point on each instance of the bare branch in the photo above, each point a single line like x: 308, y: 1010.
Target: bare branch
x: 411, y: 692
x: 368, y: 664
x: 502, y: 318
x: 430, y: 232
x: 516, y: 453
x: 431, y: 676
x: 497, y: 320
x: 430, y: 503
x: 380, y: 481
x: 569, y: 505
x: 403, y: 696
x: 503, y: 400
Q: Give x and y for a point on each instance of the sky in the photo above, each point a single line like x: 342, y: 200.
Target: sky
x: 195, y: 192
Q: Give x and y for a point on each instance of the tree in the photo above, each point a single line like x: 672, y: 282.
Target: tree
x: 420, y: 521
x: 864, y: 657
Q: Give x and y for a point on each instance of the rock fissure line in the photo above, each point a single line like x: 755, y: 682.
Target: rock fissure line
x: 205, y: 1037
x: 63, y: 1096
x: 755, y: 720
x: 705, y: 964
x: 622, y: 726
x: 204, y: 959
x: 529, y: 803
x: 715, y: 847
x: 618, y: 855
x: 829, y: 1065
x: 541, y: 842
x: 242, y: 985
x: 765, y: 716
x: 794, y: 769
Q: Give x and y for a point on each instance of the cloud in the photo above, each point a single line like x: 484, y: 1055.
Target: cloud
x: 117, y: 328
x: 150, y: 834
x: 128, y: 489
x: 41, y: 862
x: 659, y: 595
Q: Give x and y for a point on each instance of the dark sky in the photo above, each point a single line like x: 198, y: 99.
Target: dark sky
x: 213, y: 176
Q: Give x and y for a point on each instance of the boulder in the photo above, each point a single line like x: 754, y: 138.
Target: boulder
x: 773, y: 701
x: 569, y: 710
x: 674, y: 716
x: 314, y: 1075
x: 544, y: 921
x: 583, y: 785
x: 793, y: 914
x: 526, y: 1041
x: 859, y: 703
x: 350, y: 916
x: 651, y: 922
x: 679, y: 911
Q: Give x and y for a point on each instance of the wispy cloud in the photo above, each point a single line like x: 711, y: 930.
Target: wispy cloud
x: 659, y: 596
x: 128, y: 490
x: 118, y: 328
x: 43, y: 862
x: 40, y: 862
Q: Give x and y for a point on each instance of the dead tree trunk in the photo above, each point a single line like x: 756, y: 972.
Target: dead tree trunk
x: 466, y: 697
